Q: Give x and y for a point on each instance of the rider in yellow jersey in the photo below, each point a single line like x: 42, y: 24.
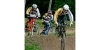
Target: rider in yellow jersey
x: 60, y: 14
x: 32, y: 13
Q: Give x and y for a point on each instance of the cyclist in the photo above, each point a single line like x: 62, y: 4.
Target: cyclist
x: 32, y: 13
x: 60, y: 14
x: 47, y: 17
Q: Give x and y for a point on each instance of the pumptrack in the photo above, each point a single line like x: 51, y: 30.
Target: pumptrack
x: 52, y: 42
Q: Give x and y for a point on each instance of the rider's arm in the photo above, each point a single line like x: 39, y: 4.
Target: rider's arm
x: 70, y: 16
x: 58, y: 12
x: 51, y: 17
x: 44, y: 16
x: 28, y: 10
x: 38, y: 12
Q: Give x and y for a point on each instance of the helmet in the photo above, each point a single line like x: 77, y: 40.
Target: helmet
x: 49, y: 11
x: 66, y: 7
x: 34, y: 6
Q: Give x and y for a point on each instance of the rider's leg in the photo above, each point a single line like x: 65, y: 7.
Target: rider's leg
x: 47, y: 28
x: 29, y: 25
x: 65, y: 23
x: 29, y: 30
x: 57, y: 27
x: 33, y: 21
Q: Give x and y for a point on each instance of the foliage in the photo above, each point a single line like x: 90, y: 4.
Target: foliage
x: 44, y: 4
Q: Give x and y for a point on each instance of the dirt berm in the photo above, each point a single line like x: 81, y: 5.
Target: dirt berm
x: 53, y: 42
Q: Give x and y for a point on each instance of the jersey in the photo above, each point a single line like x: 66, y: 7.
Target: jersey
x: 60, y: 12
x: 29, y: 12
x: 46, y: 17
x: 33, y: 13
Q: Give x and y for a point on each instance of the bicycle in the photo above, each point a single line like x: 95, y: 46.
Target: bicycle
x: 52, y: 28
x: 62, y: 34
x: 35, y: 28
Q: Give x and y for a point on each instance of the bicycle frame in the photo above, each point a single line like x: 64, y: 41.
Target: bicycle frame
x: 33, y: 24
x: 61, y: 28
x: 62, y: 34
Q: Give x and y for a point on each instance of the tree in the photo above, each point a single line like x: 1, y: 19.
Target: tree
x: 44, y: 4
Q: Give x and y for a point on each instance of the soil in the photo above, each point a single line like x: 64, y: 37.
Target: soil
x: 52, y: 42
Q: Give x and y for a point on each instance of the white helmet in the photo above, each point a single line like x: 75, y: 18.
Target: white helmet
x: 66, y: 7
x: 34, y: 6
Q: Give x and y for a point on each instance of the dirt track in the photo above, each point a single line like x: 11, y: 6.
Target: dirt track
x: 53, y: 42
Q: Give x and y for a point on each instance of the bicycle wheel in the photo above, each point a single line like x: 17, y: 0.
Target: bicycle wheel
x: 52, y: 29
x: 37, y: 29
x: 63, y: 42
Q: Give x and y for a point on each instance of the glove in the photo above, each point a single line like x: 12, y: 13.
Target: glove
x: 56, y: 23
x: 71, y: 24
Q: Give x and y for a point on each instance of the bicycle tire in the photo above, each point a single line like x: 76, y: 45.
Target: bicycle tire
x: 52, y: 29
x: 37, y: 29
x: 63, y: 42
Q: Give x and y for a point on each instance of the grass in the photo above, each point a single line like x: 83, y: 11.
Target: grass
x: 73, y: 34
x: 34, y: 46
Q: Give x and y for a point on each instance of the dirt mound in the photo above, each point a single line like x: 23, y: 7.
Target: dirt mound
x: 53, y: 42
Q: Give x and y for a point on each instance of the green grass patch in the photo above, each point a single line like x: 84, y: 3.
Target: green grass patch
x: 34, y: 45
x: 72, y: 34
x: 53, y: 34
x: 39, y: 22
